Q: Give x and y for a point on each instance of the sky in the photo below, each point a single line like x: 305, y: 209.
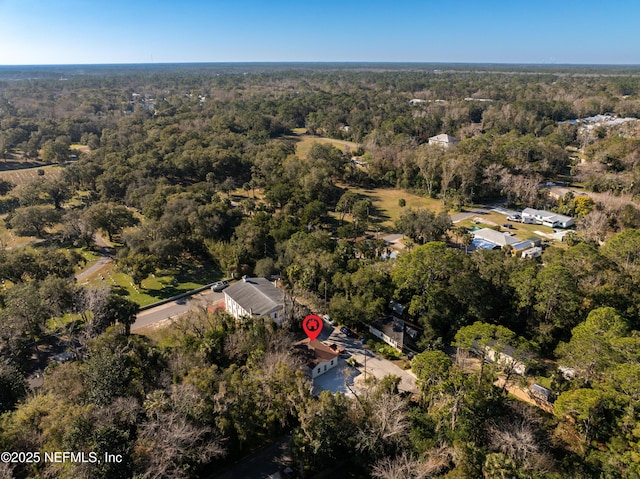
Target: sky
x: 464, y: 31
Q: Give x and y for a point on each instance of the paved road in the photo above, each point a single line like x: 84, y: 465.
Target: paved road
x: 106, y: 255
x: 481, y: 210
x: 260, y: 464
x: 175, y: 308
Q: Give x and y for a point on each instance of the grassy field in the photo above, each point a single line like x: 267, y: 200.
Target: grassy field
x: 304, y: 142
x: 10, y: 240
x: 386, y: 206
x: 154, y: 288
x: 80, y: 147
x: 24, y: 175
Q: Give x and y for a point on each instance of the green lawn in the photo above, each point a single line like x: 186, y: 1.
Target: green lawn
x: 385, y: 203
x: 304, y: 142
x: 154, y: 288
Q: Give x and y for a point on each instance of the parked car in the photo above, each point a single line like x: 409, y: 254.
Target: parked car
x: 516, y: 218
x: 327, y: 319
x: 219, y: 286
x: 346, y: 331
x: 508, y: 226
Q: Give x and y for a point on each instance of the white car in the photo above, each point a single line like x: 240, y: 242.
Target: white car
x: 219, y: 286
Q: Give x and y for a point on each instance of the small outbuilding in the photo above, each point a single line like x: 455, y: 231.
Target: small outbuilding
x: 541, y: 393
x: 444, y: 140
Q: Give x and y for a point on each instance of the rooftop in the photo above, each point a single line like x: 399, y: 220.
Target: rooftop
x: 495, y: 237
x: 444, y: 138
x: 256, y: 295
x: 548, y: 215
x: 315, y: 351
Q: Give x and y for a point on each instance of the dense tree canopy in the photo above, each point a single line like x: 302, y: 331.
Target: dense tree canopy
x: 223, y: 170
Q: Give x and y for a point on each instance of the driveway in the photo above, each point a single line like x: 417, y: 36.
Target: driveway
x: 369, y: 362
x: 336, y: 379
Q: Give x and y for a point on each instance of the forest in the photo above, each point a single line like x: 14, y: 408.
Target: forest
x: 205, y: 172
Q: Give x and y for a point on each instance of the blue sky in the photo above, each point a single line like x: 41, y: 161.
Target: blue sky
x: 143, y: 31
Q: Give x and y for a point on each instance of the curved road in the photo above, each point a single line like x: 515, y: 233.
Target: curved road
x: 106, y: 256
x: 175, y: 308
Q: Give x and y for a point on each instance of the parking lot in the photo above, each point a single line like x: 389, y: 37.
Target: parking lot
x: 369, y: 363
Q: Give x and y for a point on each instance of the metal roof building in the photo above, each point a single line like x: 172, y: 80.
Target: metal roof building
x: 494, y: 237
x: 254, y: 297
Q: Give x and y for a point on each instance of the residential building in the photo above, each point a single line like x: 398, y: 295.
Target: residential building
x: 546, y: 218
x: 487, y: 238
x: 444, y: 140
x: 397, y: 333
x: 254, y: 297
x: 320, y: 358
x: 505, y: 356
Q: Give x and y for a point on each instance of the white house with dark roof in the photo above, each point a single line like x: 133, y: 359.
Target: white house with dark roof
x: 444, y: 140
x: 254, y: 297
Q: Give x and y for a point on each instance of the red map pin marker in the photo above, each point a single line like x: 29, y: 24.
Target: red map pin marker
x: 312, y: 325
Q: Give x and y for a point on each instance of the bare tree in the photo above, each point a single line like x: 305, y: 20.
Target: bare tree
x: 594, y: 226
x: 174, y: 445
x: 516, y: 437
x: 385, y: 425
x: 405, y: 466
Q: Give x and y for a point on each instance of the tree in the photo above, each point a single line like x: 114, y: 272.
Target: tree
x: 13, y: 387
x: 33, y: 220
x: 57, y: 190
x: 122, y: 311
x: 423, y: 225
x: 23, y: 305
x: 590, y: 350
x: 139, y: 266
x: 326, y: 437
x: 430, y: 367
x: 594, y: 411
x: 111, y: 218
x: 496, y: 343
x: 345, y: 204
x: 5, y: 186
x: 557, y: 302
x: 77, y: 227
x: 173, y: 446
x: 480, y: 338
x: 265, y: 267
x: 56, y: 295
x: 56, y: 151
x: 624, y: 250
x: 442, y: 287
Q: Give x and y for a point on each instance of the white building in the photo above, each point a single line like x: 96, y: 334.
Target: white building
x: 534, y: 252
x: 254, y: 297
x: 320, y: 357
x: 546, y: 218
x: 444, y: 140
x: 496, y: 238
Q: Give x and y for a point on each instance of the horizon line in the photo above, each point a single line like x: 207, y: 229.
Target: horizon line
x: 329, y: 62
